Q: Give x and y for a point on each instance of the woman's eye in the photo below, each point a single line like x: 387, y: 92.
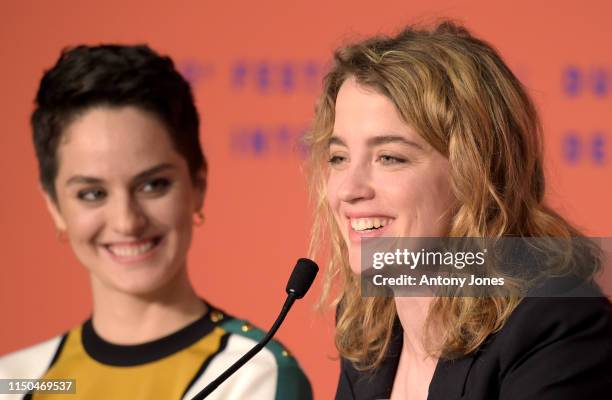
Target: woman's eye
x: 334, y: 160
x: 91, y: 194
x: 390, y: 160
x: 155, y: 186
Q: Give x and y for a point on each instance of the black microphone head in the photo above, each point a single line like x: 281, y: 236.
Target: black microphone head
x: 302, y: 277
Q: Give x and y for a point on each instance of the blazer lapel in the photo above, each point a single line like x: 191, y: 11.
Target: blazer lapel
x: 448, y: 381
x: 379, y: 383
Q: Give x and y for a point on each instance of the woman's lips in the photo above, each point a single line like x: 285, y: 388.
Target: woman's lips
x: 131, y: 252
x: 364, y: 227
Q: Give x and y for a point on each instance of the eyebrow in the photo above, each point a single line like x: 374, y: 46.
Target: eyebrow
x: 82, y: 179
x: 378, y: 140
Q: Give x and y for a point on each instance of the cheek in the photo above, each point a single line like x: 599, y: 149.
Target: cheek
x: 420, y: 202
x: 83, y: 224
x: 432, y: 205
x: 332, y: 198
x: 330, y: 190
x: 172, y: 212
x: 401, y: 194
x: 170, y: 216
x: 441, y: 195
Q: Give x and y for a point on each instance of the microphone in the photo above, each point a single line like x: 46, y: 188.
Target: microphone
x: 301, y: 279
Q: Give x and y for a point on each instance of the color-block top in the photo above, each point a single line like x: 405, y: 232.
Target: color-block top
x: 174, y: 367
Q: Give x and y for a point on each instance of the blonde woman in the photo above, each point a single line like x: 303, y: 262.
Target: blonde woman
x: 429, y: 134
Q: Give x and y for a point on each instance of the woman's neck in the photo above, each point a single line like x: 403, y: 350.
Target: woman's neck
x: 124, y: 318
x: 412, y: 313
x: 416, y: 365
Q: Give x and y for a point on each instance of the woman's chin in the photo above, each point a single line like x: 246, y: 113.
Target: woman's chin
x: 136, y: 285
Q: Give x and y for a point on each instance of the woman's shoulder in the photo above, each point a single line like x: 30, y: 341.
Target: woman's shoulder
x: 30, y: 362
x: 581, y: 313
x: 552, y: 347
x: 243, y: 335
x: 273, y: 371
x: 275, y: 357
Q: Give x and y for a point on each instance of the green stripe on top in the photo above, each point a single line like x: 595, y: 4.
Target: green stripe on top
x: 292, y: 382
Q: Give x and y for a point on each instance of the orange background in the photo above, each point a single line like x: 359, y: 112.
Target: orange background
x: 257, y: 218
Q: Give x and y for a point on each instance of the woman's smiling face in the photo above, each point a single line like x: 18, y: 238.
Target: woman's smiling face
x: 125, y: 199
x: 385, y: 179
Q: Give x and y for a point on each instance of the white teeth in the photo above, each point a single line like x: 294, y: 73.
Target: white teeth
x: 131, y: 250
x: 361, y: 224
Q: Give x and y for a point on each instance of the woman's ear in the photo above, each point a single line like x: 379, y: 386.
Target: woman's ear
x: 53, y: 209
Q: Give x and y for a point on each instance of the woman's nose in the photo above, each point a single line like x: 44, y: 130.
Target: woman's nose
x: 356, y: 185
x: 127, y: 217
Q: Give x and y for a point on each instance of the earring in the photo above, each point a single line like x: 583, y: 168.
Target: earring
x: 60, y: 235
x: 198, y: 218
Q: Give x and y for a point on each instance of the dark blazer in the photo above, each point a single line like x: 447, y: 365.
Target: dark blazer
x: 549, y: 349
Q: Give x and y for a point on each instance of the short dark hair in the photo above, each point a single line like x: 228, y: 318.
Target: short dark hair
x: 114, y: 76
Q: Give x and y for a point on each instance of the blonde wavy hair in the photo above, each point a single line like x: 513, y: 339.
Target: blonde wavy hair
x: 458, y: 94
